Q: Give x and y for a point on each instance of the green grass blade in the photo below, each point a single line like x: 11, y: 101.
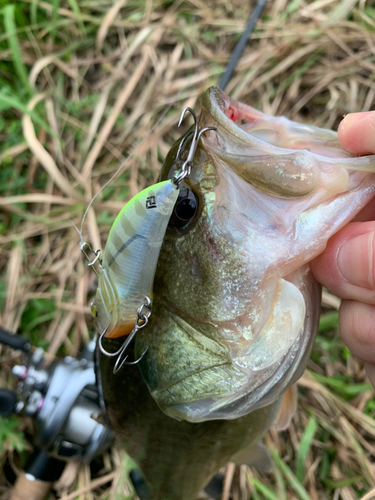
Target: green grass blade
x: 281, y: 489
x: 304, y: 448
x: 255, y: 495
x: 267, y: 492
x: 10, y: 28
x: 328, y: 321
x: 77, y: 12
x: 342, y: 385
x: 55, y: 17
x: 33, y: 12
x: 344, y: 482
x: 7, y: 102
x: 291, y: 478
x: 297, y: 74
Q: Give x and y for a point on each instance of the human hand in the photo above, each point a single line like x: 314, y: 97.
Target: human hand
x: 347, y: 266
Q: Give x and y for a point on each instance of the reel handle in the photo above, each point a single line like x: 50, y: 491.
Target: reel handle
x: 27, y: 487
x: 14, y: 341
x: 41, y: 471
x: 8, y: 402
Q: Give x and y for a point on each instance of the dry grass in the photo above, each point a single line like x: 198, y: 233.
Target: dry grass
x: 85, y: 84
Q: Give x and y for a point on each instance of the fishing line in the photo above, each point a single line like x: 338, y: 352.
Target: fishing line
x: 122, y: 165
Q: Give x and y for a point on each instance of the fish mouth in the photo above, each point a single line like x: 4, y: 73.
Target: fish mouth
x: 242, y: 121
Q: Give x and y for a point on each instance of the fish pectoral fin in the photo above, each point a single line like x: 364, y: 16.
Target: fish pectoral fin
x: 287, y: 409
x: 255, y: 455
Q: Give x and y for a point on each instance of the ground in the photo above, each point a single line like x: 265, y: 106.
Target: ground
x: 83, y: 85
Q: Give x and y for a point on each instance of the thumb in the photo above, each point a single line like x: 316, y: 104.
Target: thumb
x: 347, y: 267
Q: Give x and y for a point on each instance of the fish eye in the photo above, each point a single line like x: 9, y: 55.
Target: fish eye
x: 185, y: 208
x: 94, y: 310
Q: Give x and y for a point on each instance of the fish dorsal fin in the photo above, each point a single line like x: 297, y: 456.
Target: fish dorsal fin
x: 287, y: 409
x: 255, y: 455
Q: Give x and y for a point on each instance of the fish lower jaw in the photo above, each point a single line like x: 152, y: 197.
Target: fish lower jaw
x: 225, y: 390
x: 195, y: 378
x: 212, y: 394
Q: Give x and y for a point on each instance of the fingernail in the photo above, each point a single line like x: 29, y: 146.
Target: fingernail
x: 356, y: 260
x: 350, y: 119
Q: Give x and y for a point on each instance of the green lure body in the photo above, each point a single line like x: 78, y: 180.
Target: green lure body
x: 130, y: 258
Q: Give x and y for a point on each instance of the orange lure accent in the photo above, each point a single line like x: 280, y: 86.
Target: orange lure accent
x: 120, y: 330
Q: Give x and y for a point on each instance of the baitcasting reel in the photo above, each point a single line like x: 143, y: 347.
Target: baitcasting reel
x: 64, y: 403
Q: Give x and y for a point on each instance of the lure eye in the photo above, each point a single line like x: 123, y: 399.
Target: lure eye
x: 185, y: 208
x: 94, y: 310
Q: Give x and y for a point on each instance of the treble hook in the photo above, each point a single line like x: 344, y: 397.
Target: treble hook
x: 121, y: 361
x: 186, y: 166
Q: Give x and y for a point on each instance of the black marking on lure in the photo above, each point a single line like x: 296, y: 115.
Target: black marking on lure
x: 126, y: 244
x: 150, y: 202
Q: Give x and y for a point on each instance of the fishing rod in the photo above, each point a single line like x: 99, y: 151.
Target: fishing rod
x: 245, y: 38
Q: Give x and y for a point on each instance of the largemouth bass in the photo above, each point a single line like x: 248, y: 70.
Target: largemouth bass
x: 235, y: 306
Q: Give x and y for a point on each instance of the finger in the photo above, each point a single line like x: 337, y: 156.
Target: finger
x: 357, y: 327
x: 356, y: 132
x: 347, y: 266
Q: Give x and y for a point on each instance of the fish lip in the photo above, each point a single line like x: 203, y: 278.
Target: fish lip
x: 216, y: 103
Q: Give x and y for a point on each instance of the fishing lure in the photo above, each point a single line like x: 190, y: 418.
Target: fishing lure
x: 122, y: 302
